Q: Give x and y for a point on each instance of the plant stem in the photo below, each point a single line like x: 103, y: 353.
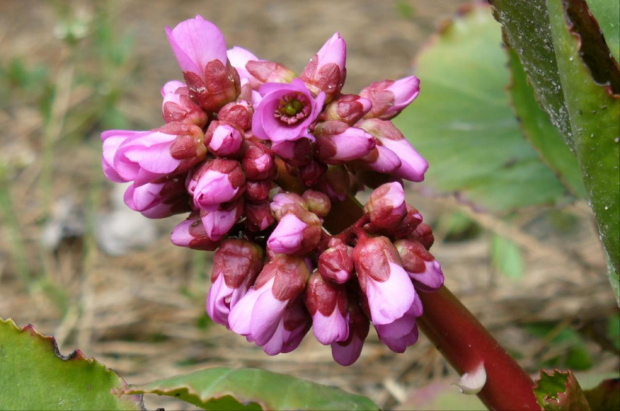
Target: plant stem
x: 458, y: 335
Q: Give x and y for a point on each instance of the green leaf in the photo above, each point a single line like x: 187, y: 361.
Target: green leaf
x: 560, y: 391
x: 607, y: 14
x: 539, y: 131
x: 462, y: 122
x: 34, y: 376
x: 506, y: 257
x: 577, y: 83
x: 252, y: 389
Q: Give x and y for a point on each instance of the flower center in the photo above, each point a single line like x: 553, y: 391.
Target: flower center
x: 292, y: 108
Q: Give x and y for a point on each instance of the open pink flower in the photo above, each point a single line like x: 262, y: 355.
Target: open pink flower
x: 285, y: 111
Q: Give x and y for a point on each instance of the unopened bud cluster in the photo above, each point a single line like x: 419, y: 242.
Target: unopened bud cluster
x: 233, y: 132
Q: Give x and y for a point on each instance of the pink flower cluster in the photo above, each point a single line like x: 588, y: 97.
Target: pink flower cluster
x: 234, y: 131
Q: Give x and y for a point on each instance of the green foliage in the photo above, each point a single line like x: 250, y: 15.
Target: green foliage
x: 576, y: 81
x: 252, y: 389
x: 506, y: 257
x: 607, y: 14
x: 574, y: 356
x: 465, y: 127
x: 34, y: 376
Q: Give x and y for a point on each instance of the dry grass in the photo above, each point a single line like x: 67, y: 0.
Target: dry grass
x: 142, y: 314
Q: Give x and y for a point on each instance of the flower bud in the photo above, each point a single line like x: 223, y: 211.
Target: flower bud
x: 280, y: 200
x: 403, y: 332
x: 224, y: 139
x: 386, y: 206
x: 238, y: 113
x: 257, y: 190
x: 177, y: 105
x: 297, y: 153
x: 235, y: 266
x: 348, y: 108
x: 239, y: 57
x: 258, y: 216
x: 191, y: 233
x: 413, y: 165
x: 216, y: 181
x: 317, y: 202
x: 337, y: 142
x: 292, y: 329
x: 297, y: 233
x: 310, y: 173
x: 336, y: 264
x: 390, y: 97
x: 380, y: 159
x: 268, y: 72
x: 200, y: 49
x: 219, y: 219
x: 424, y: 234
x: 348, y: 351
x: 327, y: 303
x: 258, y: 162
x: 412, y: 219
x: 159, y: 200
x: 258, y: 313
x: 421, y: 266
x: 326, y: 72
x: 383, y: 280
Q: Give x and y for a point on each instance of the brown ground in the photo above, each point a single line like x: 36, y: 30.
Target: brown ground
x: 142, y: 313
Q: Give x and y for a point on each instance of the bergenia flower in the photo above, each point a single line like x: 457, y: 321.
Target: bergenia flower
x: 258, y: 215
x: 145, y: 156
x: 390, y: 97
x: 258, y: 313
x: 297, y: 232
x: 386, y: 206
x: 224, y: 139
x: 257, y: 161
x: 200, y: 49
x: 219, y: 219
x: 382, y: 278
x: 348, y: 108
x: 403, y: 332
x: 327, y: 303
x: 235, y: 267
x: 421, y: 266
x: 177, y: 105
x: 291, y: 329
x: 285, y: 112
x: 348, y: 351
x: 159, y: 200
x: 216, y: 181
x: 191, y: 233
x: 337, y: 142
x: 336, y: 263
x: 413, y: 165
x: 326, y: 72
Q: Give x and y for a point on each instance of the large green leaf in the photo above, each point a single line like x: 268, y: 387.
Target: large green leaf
x: 577, y: 81
x: 34, y: 376
x: 539, y: 131
x: 252, y: 389
x: 464, y: 125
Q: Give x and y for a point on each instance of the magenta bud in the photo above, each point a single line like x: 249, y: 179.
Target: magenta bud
x: 312, y: 172
x: 421, y: 266
x: 258, y: 216
x: 268, y: 72
x: 337, y: 142
x: 235, y: 266
x: 238, y: 113
x: 424, y: 234
x: 348, y: 108
x: 326, y: 72
x: 191, y: 233
x: 383, y: 280
x: 177, y: 105
x: 390, y: 97
x: 386, y: 206
x: 281, y: 201
x: 298, y: 232
x: 327, y: 303
x: 413, y: 165
x: 258, y: 162
x: 317, y: 202
x: 219, y: 219
x: 224, y: 139
x: 407, y: 226
x: 159, y: 200
x: 216, y: 181
x: 336, y: 264
x: 258, y: 190
x: 380, y: 159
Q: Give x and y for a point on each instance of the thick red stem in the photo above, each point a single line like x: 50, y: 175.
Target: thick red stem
x: 458, y: 335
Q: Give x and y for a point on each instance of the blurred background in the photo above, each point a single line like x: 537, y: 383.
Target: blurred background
x: 76, y: 263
